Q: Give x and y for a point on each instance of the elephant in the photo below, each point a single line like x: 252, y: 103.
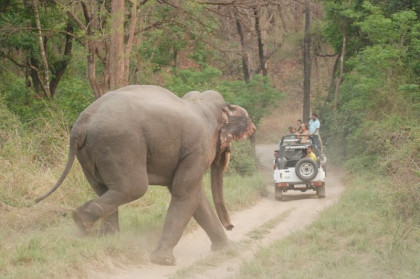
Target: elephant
x: 142, y: 135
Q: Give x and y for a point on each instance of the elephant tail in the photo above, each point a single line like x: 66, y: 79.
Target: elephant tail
x: 72, y: 154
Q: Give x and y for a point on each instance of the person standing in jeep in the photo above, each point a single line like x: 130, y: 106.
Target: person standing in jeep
x: 314, y: 126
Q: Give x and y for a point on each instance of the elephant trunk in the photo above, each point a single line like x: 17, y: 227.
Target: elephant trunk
x: 217, y: 169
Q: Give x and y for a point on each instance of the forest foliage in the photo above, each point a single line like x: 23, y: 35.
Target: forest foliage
x: 375, y: 126
x: 57, y: 56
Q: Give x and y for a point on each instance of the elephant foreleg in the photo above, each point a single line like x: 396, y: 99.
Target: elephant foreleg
x: 179, y: 214
x: 207, y: 219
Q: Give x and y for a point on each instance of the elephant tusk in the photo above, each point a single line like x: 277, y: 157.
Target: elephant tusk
x: 227, y: 160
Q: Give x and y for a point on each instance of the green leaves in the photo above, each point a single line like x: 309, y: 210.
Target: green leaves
x: 379, y: 97
x: 257, y: 96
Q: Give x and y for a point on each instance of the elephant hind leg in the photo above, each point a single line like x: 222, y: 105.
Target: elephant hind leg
x: 118, y: 188
x: 82, y: 219
x: 110, y: 224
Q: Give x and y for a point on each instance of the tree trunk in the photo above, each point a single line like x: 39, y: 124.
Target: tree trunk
x: 61, y: 68
x: 116, y: 50
x: 92, y: 70
x: 307, y: 64
x: 90, y: 46
x: 340, y: 75
x: 331, y: 88
x: 130, y: 42
x: 245, y: 65
x: 259, y: 41
x: 45, y: 82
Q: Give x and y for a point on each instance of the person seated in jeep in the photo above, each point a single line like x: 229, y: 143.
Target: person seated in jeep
x: 304, y: 135
x: 310, y: 154
x: 276, y: 162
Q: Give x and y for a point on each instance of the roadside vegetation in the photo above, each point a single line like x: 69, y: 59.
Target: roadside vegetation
x: 362, y: 236
x: 369, y: 108
x: 371, y: 128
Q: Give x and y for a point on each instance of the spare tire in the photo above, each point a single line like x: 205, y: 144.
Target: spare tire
x: 306, y: 169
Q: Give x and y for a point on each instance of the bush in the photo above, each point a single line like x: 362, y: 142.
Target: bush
x: 243, y: 160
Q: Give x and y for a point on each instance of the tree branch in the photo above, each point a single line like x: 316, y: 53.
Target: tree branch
x: 73, y: 16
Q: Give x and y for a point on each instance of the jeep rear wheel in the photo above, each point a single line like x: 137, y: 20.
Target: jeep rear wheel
x: 306, y: 169
x: 278, y: 193
x: 320, y: 191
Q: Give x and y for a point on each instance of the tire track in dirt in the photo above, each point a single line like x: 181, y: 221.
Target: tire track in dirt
x: 193, y: 254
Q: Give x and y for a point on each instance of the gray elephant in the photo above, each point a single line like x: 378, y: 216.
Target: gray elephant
x: 144, y: 135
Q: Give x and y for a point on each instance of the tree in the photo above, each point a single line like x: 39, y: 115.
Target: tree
x: 339, y: 80
x: 254, y: 21
x: 37, y: 38
x: 307, y: 63
x: 116, y: 50
x: 259, y: 40
x: 344, y: 35
x: 244, y: 54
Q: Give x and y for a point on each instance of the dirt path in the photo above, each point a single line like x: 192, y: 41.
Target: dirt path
x: 255, y: 227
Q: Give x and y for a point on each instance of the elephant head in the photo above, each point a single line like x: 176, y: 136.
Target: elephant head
x: 236, y: 125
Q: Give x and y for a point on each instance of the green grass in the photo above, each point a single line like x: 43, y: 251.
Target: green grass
x: 357, y: 238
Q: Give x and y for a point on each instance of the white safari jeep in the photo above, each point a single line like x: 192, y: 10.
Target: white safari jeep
x: 295, y: 172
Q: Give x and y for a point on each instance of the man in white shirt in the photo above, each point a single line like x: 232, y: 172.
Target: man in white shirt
x: 314, y: 126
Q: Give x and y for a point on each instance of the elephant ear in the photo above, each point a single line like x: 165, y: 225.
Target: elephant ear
x: 236, y: 125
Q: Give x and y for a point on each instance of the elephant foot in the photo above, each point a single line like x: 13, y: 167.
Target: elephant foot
x: 108, y: 228
x: 83, y: 221
x: 161, y: 258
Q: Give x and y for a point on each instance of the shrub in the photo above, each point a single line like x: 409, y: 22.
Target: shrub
x: 243, y: 160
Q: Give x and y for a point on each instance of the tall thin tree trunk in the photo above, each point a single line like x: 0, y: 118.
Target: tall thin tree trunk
x: 46, y: 81
x: 245, y: 66
x: 59, y: 72
x: 92, y: 70
x: 340, y: 76
x: 331, y: 88
x: 90, y: 47
x: 130, y: 41
x: 116, y: 51
x: 307, y: 63
x: 259, y: 41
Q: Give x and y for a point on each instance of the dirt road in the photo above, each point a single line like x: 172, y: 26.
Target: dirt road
x: 255, y: 227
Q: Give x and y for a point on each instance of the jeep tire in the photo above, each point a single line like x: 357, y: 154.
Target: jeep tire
x: 278, y: 193
x: 320, y: 191
x: 306, y: 169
